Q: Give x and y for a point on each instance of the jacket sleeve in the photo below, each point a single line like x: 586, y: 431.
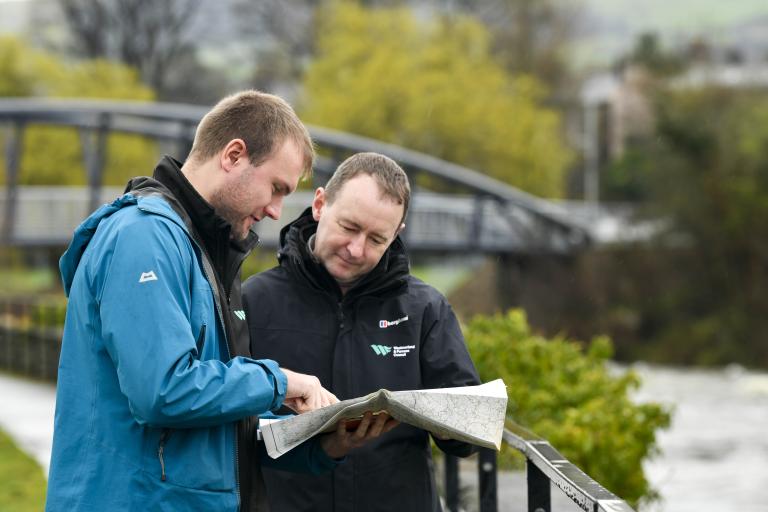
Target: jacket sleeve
x: 142, y: 281
x: 445, y: 360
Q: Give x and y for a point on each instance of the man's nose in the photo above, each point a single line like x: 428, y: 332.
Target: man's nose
x: 274, y: 209
x: 356, y: 246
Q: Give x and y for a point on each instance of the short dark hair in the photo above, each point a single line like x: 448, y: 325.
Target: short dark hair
x: 263, y: 121
x: 391, y: 177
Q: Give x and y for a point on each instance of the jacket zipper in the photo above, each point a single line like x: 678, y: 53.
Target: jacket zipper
x: 340, y: 316
x: 160, y: 449
x: 212, y: 281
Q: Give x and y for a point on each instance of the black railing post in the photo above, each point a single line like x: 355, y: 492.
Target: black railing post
x: 451, y: 483
x: 486, y: 469
x: 539, y: 496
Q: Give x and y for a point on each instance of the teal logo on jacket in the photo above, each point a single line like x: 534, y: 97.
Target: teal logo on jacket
x: 381, y: 350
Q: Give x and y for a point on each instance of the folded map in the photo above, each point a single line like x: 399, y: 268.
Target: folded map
x: 474, y: 414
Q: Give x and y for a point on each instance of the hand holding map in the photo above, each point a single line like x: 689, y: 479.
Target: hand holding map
x: 474, y: 414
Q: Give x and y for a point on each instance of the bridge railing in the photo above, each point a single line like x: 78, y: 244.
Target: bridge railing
x: 545, y: 468
x: 47, y: 215
x: 30, y: 344
x: 535, y: 225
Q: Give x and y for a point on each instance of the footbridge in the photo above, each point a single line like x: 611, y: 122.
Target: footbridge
x: 482, y: 215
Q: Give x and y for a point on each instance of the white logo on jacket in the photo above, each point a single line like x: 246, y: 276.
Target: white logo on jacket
x: 147, y: 276
x: 383, y: 324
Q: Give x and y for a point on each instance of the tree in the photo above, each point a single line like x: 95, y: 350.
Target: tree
x: 705, y: 170
x: 714, y: 147
x: 433, y: 86
x: 649, y: 53
x: 281, y: 33
x: 28, y: 72
x: 152, y: 36
x: 530, y: 36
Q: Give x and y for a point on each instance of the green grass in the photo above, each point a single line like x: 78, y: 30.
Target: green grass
x: 443, y: 277
x: 22, y: 484
x: 23, y: 281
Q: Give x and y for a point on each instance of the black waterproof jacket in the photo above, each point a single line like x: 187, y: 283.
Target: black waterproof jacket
x: 389, y: 331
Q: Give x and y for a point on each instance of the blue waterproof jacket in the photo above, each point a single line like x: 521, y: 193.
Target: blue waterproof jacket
x: 148, y: 394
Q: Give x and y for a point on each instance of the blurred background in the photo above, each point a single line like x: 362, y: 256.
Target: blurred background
x: 637, y: 127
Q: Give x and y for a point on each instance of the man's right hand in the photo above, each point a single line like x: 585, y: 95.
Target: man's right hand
x: 305, y: 393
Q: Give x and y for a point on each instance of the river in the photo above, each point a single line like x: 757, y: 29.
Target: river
x: 715, y: 455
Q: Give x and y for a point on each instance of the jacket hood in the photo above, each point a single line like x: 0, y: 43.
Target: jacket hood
x: 388, y: 276
x: 83, y: 234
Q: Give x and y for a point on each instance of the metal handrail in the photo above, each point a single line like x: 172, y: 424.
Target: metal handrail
x: 544, y: 466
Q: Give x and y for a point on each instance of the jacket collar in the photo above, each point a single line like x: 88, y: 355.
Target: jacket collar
x: 207, y: 227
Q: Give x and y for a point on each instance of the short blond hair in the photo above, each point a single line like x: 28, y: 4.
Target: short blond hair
x: 263, y: 121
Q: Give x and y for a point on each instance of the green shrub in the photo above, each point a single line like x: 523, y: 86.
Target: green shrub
x: 567, y: 395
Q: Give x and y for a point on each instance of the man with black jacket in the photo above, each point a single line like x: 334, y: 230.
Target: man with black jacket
x: 342, y: 305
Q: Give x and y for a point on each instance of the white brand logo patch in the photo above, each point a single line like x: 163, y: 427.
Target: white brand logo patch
x: 148, y: 276
x: 383, y: 324
x: 239, y: 313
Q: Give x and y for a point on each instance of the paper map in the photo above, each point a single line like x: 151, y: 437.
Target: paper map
x: 474, y: 414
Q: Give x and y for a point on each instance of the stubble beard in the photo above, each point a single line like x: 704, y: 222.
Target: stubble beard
x: 224, y: 201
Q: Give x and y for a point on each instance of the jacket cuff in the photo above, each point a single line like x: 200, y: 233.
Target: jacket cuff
x: 322, y: 462
x: 279, y: 381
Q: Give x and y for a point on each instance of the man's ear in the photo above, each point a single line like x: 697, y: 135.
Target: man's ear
x: 233, y: 152
x: 318, y: 203
x: 399, y: 230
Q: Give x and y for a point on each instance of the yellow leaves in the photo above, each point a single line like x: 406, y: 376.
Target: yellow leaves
x: 434, y: 86
x: 28, y: 72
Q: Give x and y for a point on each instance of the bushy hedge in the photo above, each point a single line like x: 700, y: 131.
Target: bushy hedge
x: 566, y: 393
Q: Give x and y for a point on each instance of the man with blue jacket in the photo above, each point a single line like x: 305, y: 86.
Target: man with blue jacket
x: 157, y: 390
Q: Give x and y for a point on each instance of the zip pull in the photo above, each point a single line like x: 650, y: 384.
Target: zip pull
x: 162, y: 463
x: 160, y: 450
x: 340, y: 316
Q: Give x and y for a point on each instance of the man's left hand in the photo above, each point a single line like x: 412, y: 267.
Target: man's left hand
x: 339, y: 443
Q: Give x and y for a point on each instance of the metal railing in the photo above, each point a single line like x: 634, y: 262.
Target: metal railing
x: 30, y: 344
x: 537, y: 225
x: 545, y: 467
x: 46, y: 217
x: 30, y: 336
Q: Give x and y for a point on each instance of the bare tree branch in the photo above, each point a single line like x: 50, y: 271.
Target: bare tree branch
x: 146, y: 34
